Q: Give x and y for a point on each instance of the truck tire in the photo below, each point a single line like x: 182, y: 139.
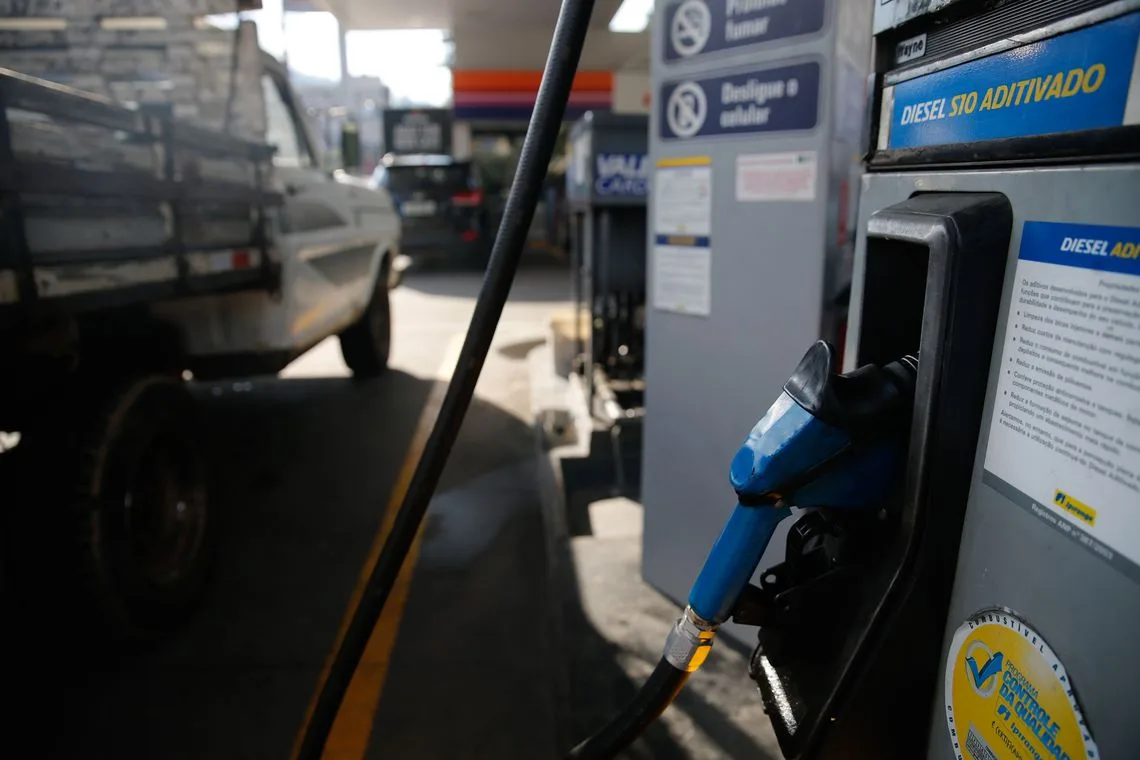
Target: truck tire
x: 365, y: 343
x: 143, y: 535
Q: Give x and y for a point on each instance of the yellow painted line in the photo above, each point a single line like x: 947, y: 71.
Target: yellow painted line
x: 685, y: 161
x: 352, y: 728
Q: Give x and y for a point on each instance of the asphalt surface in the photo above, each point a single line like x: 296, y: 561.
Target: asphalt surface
x: 306, y: 464
x: 479, y: 654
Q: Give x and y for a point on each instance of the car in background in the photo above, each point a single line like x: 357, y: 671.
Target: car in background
x: 442, y: 206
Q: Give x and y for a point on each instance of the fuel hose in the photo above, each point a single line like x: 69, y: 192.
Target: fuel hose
x: 686, y: 649
x: 538, y: 148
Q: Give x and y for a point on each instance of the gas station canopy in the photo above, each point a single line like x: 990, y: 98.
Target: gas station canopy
x: 495, y: 34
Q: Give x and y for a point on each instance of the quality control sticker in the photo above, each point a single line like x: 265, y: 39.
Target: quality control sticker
x: 1008, y: 697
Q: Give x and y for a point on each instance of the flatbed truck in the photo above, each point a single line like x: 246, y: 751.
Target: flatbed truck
x: 138, y: 250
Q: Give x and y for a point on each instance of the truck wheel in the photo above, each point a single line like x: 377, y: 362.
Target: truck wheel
x: 143, y: 529
x: 365, y: 344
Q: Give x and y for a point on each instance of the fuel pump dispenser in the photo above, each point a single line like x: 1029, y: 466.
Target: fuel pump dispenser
x: 606, y: 188
x: 1023, y: 117
x: 966, y: 585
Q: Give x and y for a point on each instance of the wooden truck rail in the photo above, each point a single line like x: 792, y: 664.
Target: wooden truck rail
x: 102, y: 204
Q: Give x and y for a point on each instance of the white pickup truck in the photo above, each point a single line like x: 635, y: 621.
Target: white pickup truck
x: 137, y: 249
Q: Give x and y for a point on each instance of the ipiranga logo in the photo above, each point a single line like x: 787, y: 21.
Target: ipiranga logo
x: 1078, y: 509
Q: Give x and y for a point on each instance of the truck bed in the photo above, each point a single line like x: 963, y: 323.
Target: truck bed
x: 104, y: 205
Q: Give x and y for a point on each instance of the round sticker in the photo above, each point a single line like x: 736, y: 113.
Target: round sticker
x: 1008, y: 697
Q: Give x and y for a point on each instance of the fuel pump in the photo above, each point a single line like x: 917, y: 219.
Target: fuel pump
x: 1035, y: 105
x: 988, y: 610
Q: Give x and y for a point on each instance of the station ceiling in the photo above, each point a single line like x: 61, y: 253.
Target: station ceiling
x: 498, y: 34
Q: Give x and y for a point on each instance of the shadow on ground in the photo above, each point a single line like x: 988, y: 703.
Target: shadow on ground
x: 614, y: 627
x: 304, y: 471
x: 547, y: 280
x: 492, y: 661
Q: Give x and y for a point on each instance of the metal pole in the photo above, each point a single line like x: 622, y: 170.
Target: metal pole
x: 345, y: 82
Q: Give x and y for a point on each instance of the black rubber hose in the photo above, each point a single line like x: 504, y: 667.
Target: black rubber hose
x: 657, y: 693
x: 538, y: 148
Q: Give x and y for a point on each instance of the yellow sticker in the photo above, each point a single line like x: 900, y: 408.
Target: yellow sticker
x: 1008, y: 697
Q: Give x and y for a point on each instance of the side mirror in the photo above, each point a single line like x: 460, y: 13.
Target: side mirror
x: 350, y: 146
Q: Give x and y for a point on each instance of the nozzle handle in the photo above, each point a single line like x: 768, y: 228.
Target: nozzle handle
x: 733, y: 559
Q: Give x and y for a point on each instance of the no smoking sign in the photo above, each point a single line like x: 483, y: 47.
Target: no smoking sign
x: 778, y: 99
x: 686, y: 109
x: 696, y: 27
x: 690, y: 27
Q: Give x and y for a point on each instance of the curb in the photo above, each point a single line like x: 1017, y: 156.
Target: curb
x: 552, y: 506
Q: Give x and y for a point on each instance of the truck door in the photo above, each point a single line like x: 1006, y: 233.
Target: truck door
x: 333, y: 231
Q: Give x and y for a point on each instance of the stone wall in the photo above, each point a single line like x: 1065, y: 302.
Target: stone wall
x: 183, y: 63
x: 136, y: 52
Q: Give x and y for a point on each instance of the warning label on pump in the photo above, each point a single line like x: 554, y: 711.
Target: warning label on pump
x: 779, y: 99
x: 1064, y: 438
x: 776, y: 176
x: 682, y: 251
x: 695, y: 27
x: 1008, y: 697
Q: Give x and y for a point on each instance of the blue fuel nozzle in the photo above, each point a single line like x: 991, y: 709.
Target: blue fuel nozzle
x: 829, y: 440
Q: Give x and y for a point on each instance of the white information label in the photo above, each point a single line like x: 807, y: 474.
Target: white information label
x: 682, y: 250
x: 892, y: 13
x: 581, y: 158
x: 776, y: 176
x: 682, y: 197
x: 682, y: 279
x: 1065, y: 431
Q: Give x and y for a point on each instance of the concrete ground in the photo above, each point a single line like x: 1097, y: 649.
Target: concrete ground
x: 619, y: 625
x: 480, y: 655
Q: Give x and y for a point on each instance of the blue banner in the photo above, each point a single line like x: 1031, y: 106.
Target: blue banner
x: 1088, y: 246
x: 696, y: 27
x: 769, y: 100
x: 1072, y: 82
x: 622, y: 174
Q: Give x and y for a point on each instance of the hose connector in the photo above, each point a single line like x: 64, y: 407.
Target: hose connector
x: 689, y: 642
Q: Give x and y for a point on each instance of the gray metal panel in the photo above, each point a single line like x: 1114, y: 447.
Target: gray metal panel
x: 708, y: 379
x: 1088, y: 612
